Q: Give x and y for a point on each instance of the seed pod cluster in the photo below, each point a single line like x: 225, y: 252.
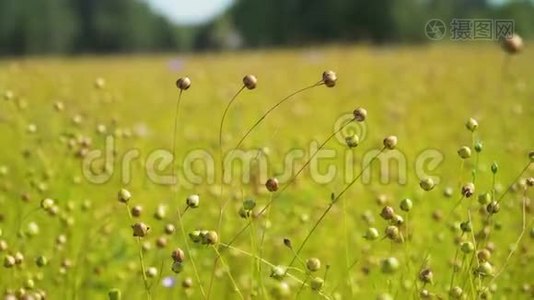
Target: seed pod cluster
x: 204, y: 237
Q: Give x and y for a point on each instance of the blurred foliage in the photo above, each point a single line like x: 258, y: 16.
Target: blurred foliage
x: 68, y: 26
x: 273, y: 22
x: 80, y: 26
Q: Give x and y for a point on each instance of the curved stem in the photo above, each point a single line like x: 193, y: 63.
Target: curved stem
x: 175, y: 192
x: 515, y: 180
x: 290, y: 182
x: 236, y: 288
x: 332, y: 205
x: 271, y: 109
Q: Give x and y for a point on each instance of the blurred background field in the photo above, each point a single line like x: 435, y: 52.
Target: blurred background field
x: 423, y: 95
x: 62, y: 98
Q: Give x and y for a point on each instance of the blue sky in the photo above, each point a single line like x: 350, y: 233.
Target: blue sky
x: 189, y: 11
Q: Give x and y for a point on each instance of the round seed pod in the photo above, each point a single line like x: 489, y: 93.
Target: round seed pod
x: 169, y: 229
x: 390, y: 142
x: 41, y: 261
x: 9, y: 261
x: 137, y: 211
x: 313, y: 264
x: 389, y: 265
x: 183, y: 83
x: 494, y: 167
x: 464, y: 152
x: 530, y: 181
x: 384, y: 296
x: 484, y: 199
x: 466, y: 226
x: 397, y: 220
x: 9, y: 95
x: 28, y: 284
x: 195, y: 236
x: 471, y: 124
x: 484, y: 269
x: 100, y: 83
x: 124, y: 196
x: 250, y: 81
x: 483, y: 255
x: 360, y: 114
x: 161, y: 212
x: 193, y: 201
x: 19, y: 258
x: 287, y: 243
x: 456, y: 292
x: 426, y: 275
x: 467, y: 247
x: 178, y: 255
x: 212, y: 238
x: 47, y: 203
x: 249, y: 204
x: 513, y: 44
x: 352, y: 141
x: 278, y: 272
x: 187, y: 283
x: 493, y: 207
x: 392, y: 232
x: 387, y: 213
x: 244, y: 214
x: 317, y: 284
x: 448, y: 192
x: 140, y: 229
x: 371, y: 234
x: 478, y: 147
x: 161, y: 242
x: 177, y: 267
x: 406, y: 205
x: 151, y: 272
x: 329, y: 78
x: 468, y: 189
x: 272, y: 185
x: 114, y: 294
x: 427, y: 184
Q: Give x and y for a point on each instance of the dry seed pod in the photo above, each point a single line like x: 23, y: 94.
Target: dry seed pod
x: 329, y: 78
x: 513, y: 44
x: 183, y: 83
x: 250, y: 81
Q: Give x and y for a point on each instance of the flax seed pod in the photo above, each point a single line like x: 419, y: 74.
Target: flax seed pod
x: 183, y: 83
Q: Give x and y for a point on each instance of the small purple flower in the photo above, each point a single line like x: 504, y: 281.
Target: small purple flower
x: 168, y: 282
x: 176, y: 64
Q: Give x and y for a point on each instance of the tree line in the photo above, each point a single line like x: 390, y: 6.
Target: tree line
x: 109, y: 26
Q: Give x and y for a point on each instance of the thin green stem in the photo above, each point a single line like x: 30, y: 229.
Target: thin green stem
x: 516, y: 244
x: 322, y: 294
x: 271, y: 109
x: 141, y: 259
x: 227, y: 269
x: 329, y: 207
x: 290, y: 182
x: 175, y: 194
x: 514, y: 181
